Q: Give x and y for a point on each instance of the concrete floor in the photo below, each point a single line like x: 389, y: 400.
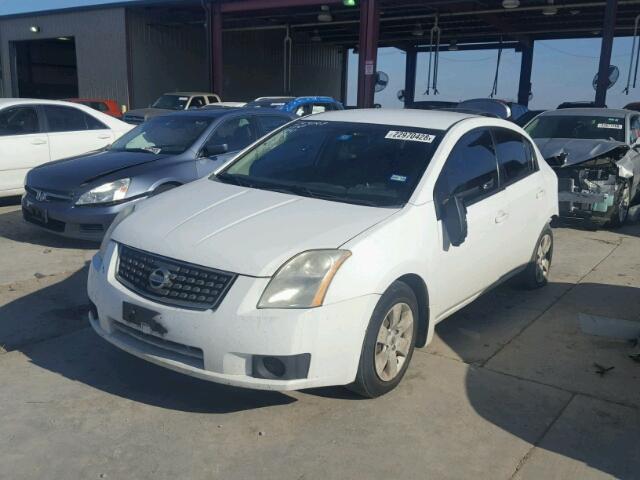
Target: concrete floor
x: 508, y: 389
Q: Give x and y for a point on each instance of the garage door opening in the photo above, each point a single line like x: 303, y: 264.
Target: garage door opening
x: 46, y: 68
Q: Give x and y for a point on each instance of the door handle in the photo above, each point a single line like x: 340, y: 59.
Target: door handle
x: 501, y: 216
x: 104, y: 136
x: 38, y: 141
x: 540, y: 193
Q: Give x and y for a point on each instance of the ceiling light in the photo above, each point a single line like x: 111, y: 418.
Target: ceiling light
x: 418, y: 31
x: 34, y: 29
x: 453, y: 45
x: 63, y: 39
x: 325, y: 14
x: 510, y: 3
x: 550, y: 9
x: 316, y: 36
x: 349, y: 3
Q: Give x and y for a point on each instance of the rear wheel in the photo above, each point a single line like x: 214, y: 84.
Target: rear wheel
x: 621, y: 210
x: 536, y: 274
x: 389, y: 342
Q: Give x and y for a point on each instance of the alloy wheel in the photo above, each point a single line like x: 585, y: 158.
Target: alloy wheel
x: 623, y: 205
x: 543, y: 258
x: 394, y: 341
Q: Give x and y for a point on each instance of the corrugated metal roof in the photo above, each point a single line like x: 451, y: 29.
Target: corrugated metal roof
x: 28, y: 7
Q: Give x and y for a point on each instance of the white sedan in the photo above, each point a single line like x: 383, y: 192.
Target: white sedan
x: 33, y: 132
x: 328, y: 250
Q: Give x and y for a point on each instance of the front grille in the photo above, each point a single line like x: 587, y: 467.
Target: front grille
x: 47, y: 195
x: 177, y: 283
x: 91, y: 227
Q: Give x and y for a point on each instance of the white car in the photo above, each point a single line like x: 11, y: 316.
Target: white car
x: 33, y: 132
x: 322, y: 254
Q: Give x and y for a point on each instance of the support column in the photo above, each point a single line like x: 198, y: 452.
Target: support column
x: 215, y: 32
x: 526, y: 65
x: 410, y: 76
x: 368, y: 48
x: 608, y: 30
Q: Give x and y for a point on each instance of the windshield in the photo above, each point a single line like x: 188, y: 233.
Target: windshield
x: 377, y: 165
x: 577, y: 126
x: 171, y: 102
x: 166, y: 134
x: 270, y: 102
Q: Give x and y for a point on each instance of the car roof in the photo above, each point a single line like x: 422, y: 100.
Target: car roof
x: 221, y: 112
x: 589, y: 112
x: 30, y: 101
x: 431, y: 119
x: 189, y: 94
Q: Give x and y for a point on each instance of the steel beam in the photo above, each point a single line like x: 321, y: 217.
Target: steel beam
x: 216, y: 61
x: 368, y: 52
x: 249, y: 5
x: 526, y: 65
x: 411, y: 62
x: 608, y: 30
x: 474, y: 46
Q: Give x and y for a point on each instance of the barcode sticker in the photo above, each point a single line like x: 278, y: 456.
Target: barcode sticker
x: 410, y: 136
x: 615, y: 126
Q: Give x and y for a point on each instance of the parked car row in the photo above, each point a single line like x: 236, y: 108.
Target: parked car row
x: 259, y: 248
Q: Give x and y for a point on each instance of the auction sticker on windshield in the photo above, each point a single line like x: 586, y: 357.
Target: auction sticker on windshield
x: 410, y: 136
x: 615, y: 126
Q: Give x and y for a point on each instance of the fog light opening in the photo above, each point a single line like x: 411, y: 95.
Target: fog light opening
x: 274, y: 366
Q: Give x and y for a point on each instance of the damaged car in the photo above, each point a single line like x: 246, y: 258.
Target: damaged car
x: 595, y: 153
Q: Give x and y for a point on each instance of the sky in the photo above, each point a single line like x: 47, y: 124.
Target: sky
x: 563, y: 70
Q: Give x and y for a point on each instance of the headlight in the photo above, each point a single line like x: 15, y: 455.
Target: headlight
x: 302, y: 282
x: 128, y: 210
x: 106, y: 193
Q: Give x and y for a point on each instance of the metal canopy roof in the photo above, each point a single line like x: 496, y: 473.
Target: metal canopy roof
x: 466, y: 21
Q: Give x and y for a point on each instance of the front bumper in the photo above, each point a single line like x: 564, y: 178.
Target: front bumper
x: 225, y: 345
x: 596, y: 206
x: 65, y: 219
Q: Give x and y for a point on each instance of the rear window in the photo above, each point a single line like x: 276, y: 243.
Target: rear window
x: 378, y: 165
x: 577, y: 126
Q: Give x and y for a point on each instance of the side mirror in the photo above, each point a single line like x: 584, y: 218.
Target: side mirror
x: 455, y: 219
x: 213, y: 150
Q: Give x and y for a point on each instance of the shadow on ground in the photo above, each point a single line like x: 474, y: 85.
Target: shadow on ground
x: 14, y: 227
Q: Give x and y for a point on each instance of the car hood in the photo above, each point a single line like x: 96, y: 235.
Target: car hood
x: 69, y: 174
x: 564, y: 152
x: 242, y: 230
x: 148, y: 112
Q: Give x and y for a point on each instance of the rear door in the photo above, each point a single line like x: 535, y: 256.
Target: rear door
x: 525, y: 189
x: 23, y: 145
x: 471, y: 172
x: 72, y: 132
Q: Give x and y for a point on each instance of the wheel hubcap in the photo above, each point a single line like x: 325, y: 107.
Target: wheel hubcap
x: 543, y: 258
x: 394, y: 341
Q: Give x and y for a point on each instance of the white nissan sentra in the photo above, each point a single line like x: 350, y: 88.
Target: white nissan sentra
x: 326, y: 251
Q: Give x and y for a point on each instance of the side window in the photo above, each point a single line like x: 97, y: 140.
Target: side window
x: 212, y: 99
x: 93, y: 123
x: 197, y: 102
x: 18, y: 121
x: 634, y: 130
x: 319, y: 108
x: 515, y: 157
x: 303, y: 110
x: 236, y: 133
x: 271, y: 122
x: 471, y: 171
x: 69, y: 119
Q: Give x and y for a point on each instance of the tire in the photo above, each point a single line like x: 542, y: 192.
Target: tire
x: 536, y: 274
x: 621, y: 210
x: 164, y: 188
x: 397, y: 306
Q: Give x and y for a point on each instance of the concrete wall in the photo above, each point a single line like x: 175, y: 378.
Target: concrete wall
x: 165, y: 57
x: 100, y: 48
x: 253, y: 66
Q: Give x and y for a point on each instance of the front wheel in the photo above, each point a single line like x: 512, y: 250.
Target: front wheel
x: 621, y: 210
x: 536, y: 274
x: 389, y: 342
